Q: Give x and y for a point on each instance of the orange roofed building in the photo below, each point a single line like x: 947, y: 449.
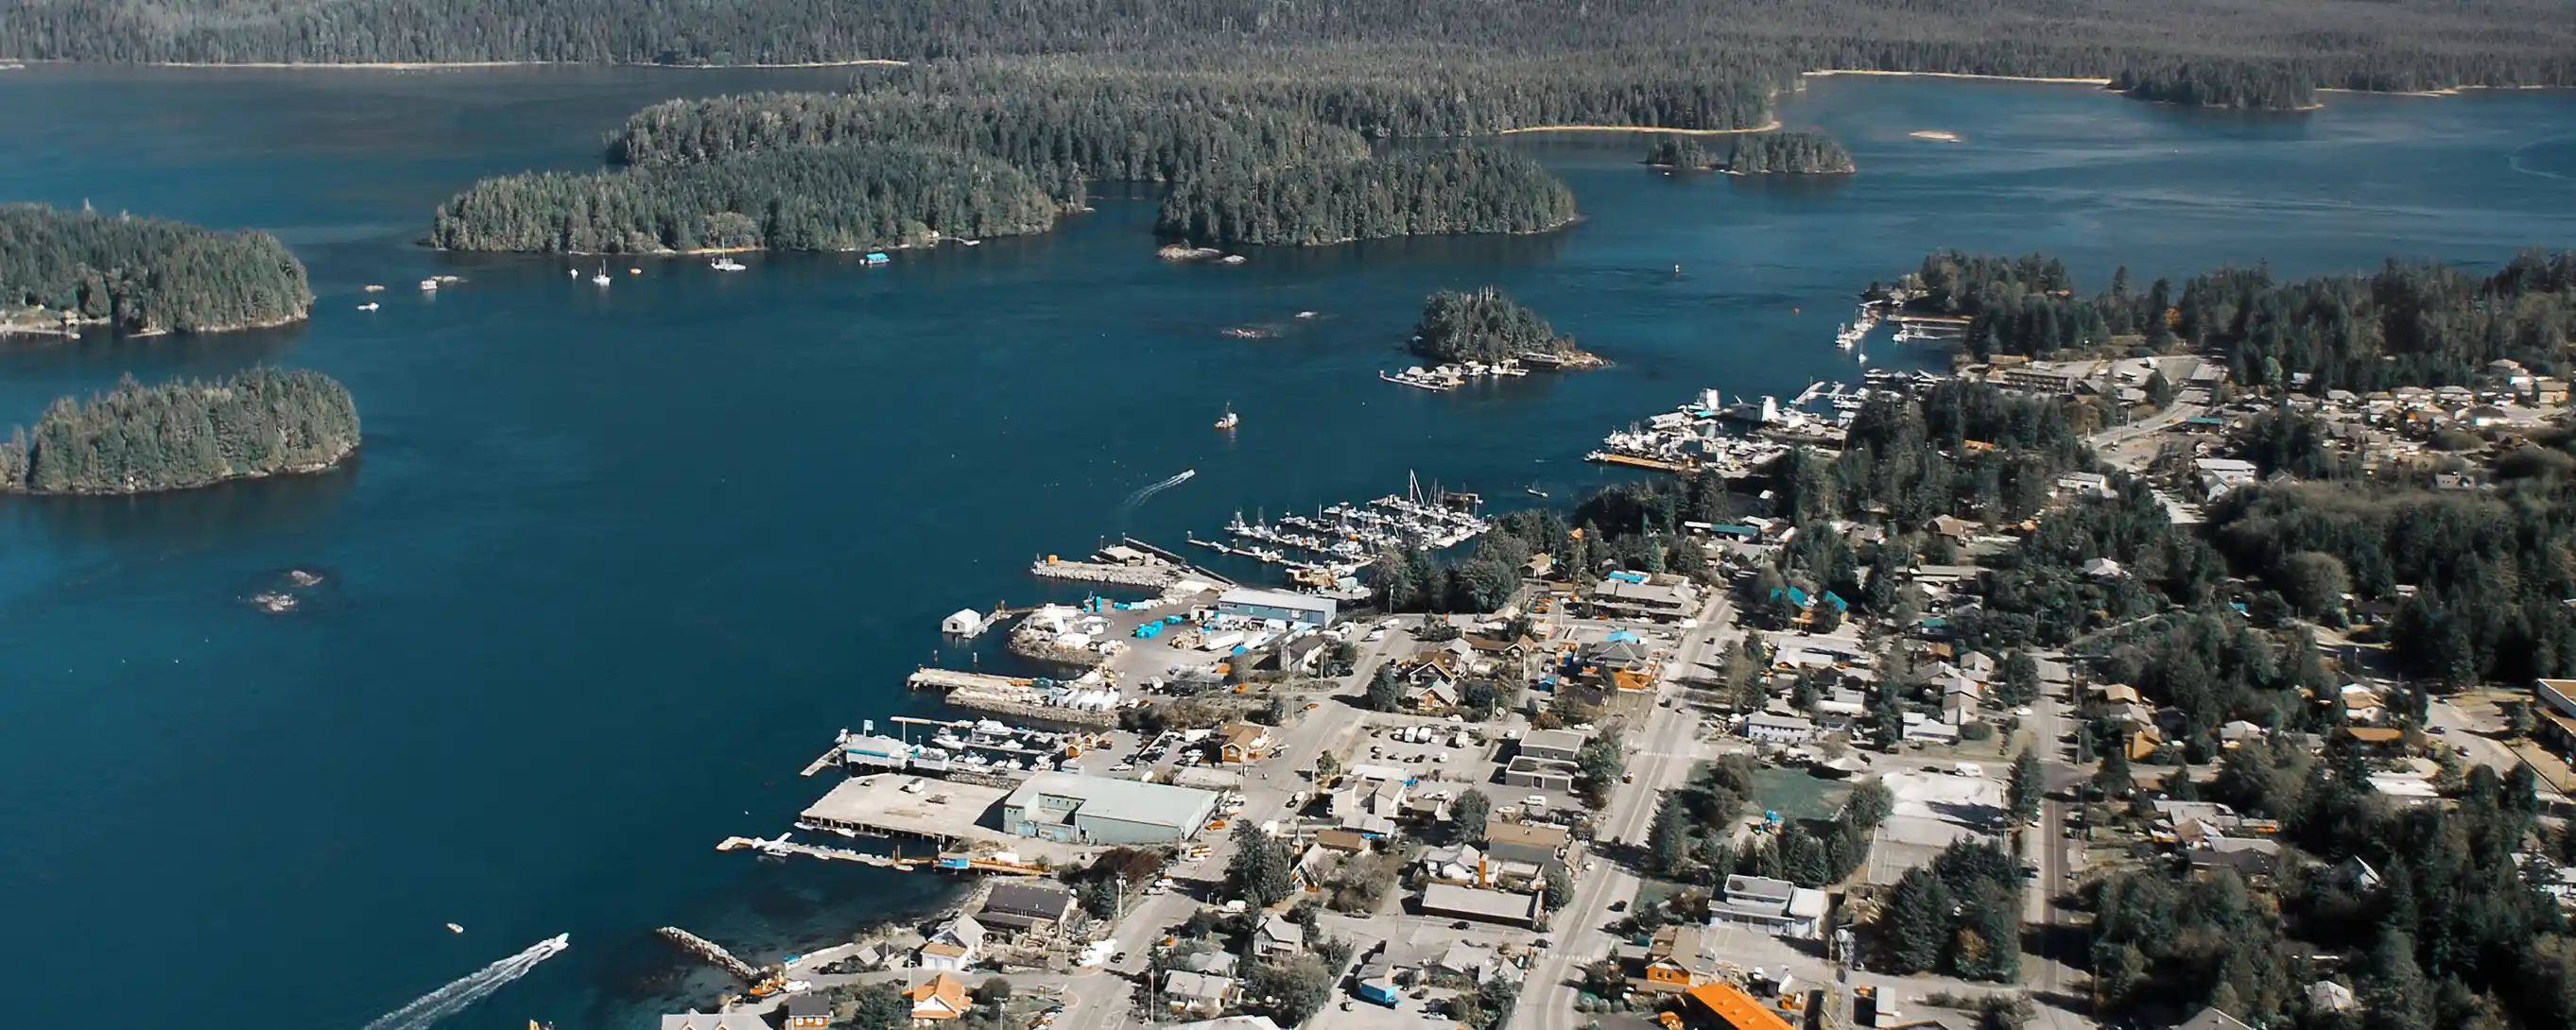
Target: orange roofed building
x: 1725, y: 1005
x: 940, y: 997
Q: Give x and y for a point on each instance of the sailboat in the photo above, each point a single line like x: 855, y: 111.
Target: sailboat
x: 725, y: 263
x: 602, y: 278
x: 1230, y: 419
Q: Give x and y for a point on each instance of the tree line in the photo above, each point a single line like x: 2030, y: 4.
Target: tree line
x: 1757, y: 153
x: 1464, y: 190
x: 2402, y: 44
x: 145, y: 275
x: 814, y: 198
x: 2237, y: 84
x: 139, y: 439
x: 1486, y: 326
x: 2406, y: 324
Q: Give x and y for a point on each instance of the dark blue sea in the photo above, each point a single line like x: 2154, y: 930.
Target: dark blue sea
x: 614, y: 563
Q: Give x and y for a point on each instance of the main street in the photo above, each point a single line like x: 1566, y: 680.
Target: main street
x: 1660, y: 753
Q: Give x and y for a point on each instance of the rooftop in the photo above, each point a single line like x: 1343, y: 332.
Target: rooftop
x: 1247, y: 596
x: 1134, y: 801
x: 1497, y: 905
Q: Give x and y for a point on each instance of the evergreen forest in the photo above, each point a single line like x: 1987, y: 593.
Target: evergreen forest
x: 2393, y: 45
x: 840, y: 198
x: 1485, y: 326
x: 147, y: 275
x: 1465, y: 190
x: 1757, y: 153
x: 2404, y: 325
x: 140, y: 439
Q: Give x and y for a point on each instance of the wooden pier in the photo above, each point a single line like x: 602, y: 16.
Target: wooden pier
x: 953, y: 863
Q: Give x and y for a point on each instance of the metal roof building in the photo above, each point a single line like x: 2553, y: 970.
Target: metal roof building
x: 1102, y: 810
x: 1277, y: 604
x: 1449, y: 899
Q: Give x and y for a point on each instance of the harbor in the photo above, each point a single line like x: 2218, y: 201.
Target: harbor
x: 1344, y: 537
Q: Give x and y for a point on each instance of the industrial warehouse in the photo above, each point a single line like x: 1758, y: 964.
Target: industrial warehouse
x: 1075, y: 809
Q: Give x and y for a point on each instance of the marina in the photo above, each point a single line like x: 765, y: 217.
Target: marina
x: 1738, y: 439
x: 1343, y: 537
x: 1444, y: 378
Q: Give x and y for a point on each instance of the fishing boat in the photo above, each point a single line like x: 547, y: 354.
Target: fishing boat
x: 1533, y: 490
x: 1229, y: 420
x: 602, y: 278
x: 453, y: 928
x: 726, y: 263
x: 369, y: 306
x: 429, y: 286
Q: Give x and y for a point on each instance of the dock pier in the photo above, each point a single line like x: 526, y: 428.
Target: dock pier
x: 949, y: 862
x: 710, y: 951
x: 830, y: 757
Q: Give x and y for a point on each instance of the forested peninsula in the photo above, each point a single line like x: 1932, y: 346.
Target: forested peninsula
x: 2404, y: 325
x: 1486, y: 326
x: 62, y: 270
x: 1757, y: 153
x: 141, y: 439
x: 2391, y: 45
x: 837, y: 198
x: 1465, y: 190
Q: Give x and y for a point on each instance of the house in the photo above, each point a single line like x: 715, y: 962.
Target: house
x: 1241, y: 742
x: 695, y: 1020
x: 1368, y: 805
x: 2210, y: 1018
x: 808, y: 1010
x: 1199, y: 992
x: 2356, y: 874
x: 1432, y: 696
x: 2112, y: 694
x: 1463, y: 864
x: 2238, y: 731
x: 1958, y: 530
x: 1476, y: 962
x: 1681, y: 957
x: 1345, y: 841
x: 2250, y: 857
x: 940, y: 997
x: 2329, y: 996
x: 2554, y: 702
x: 1534, y: 843
x: 1930, y: 731
x: 2362, y: 704
x: 1212, y: 962
x: 1021, y: 907
x: 1637, y: 596
x: 1776, y: 907
x: 1539, y: 774
x: 1767, y: 728
x: 954, y: 946
x: 2104, y: 569
x: 1276, y: 936
x: 1302, y: 655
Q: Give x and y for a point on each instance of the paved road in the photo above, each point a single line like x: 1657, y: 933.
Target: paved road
x: 1660, y: 753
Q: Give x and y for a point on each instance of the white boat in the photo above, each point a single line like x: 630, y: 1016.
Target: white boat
x: 972, y: 243
x: 368, y: 306
x: 1230, y: 419
x: 634, y: 271
x: 429, y: 285
x: 453, y: 928
x: 602, y: 278
x: 725, y: 263
x: 573, y: 272
x: 375, y: 287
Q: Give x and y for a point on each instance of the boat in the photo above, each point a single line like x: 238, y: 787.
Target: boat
x: 375, y: 287
x: 726, y: 263
x: 429, y: 285
x: 972, y: 243
x: 1230, y: 420
x: 573, y: 272
x: 602, y: 278
x: 369, y: 306
x: 1534, y: 491
x: 453, y: 928
x: 874, y: 258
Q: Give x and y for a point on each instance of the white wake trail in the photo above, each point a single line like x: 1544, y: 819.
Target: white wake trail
x: 1141, y: 496
x: 473, y: 987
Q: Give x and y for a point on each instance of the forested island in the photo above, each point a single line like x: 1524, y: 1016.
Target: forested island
x: 141, y: 275
x: 2394, y: 45
x: 1465, y: 190
x: 141, y: 439
x: 2406, y: 324
x: 839, y: 198
x: 1757, y: 153
x: 1488, y: 326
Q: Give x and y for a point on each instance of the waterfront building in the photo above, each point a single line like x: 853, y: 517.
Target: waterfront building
x: 1080, y: 809
x: 1301, y: 609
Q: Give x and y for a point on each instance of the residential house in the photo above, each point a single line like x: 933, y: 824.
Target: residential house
x: 954, y: 946
x: 1199, y: 992
x: 1539, y: 774
x: 938, y: 998
x: 1929, y: 730
x: 1022, y: 907
x: 2237, y: 731
x: 1338, y: 839
x: 1764, y: 727
x: 1474, y: 961
x: 1242, y: 742
x: 808, y: 1010
x: 2211, y: 1018
x: 2329, y: 996
x: 1511, y: 659
x: 1680, y: 957
x: 1554, y: 745
x: 1614, y: 677
x: 1213, y: 962
x: 2554, y: 702
x: 1432, y: 696
x: 1369, y: 805
x: 1276, y: 936
x: 2362, y: 704
x: 1534, y: 843
x: 1464, y: 865
x: 1302, y: 655
x: 1726, y: 1006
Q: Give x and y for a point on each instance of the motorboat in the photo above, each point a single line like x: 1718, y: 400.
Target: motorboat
x: 369, y: 306
x: 429, y: 285
x: 725, y: 263
x: 453, y: 928
x: 602, y: 278
x: 1229, y: 420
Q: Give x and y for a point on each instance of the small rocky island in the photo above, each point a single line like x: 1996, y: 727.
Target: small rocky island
x: 1484, y: 333
x: 176, y: 436
x: 1759, y: 153
x: 65, y: 271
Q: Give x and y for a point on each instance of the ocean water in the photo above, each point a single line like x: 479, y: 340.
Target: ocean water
x: 614, y: 563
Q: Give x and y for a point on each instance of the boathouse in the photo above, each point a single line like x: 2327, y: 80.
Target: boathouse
x: 1302, y: 609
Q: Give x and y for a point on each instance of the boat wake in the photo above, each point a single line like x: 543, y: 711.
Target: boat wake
x: 1138, y: 498
x: 456, y: 997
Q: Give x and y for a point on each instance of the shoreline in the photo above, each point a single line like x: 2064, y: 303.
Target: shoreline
x: 1772, y: 126
x: 306, y: 469
x: 2055, y: 80
x: 411, y: 66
